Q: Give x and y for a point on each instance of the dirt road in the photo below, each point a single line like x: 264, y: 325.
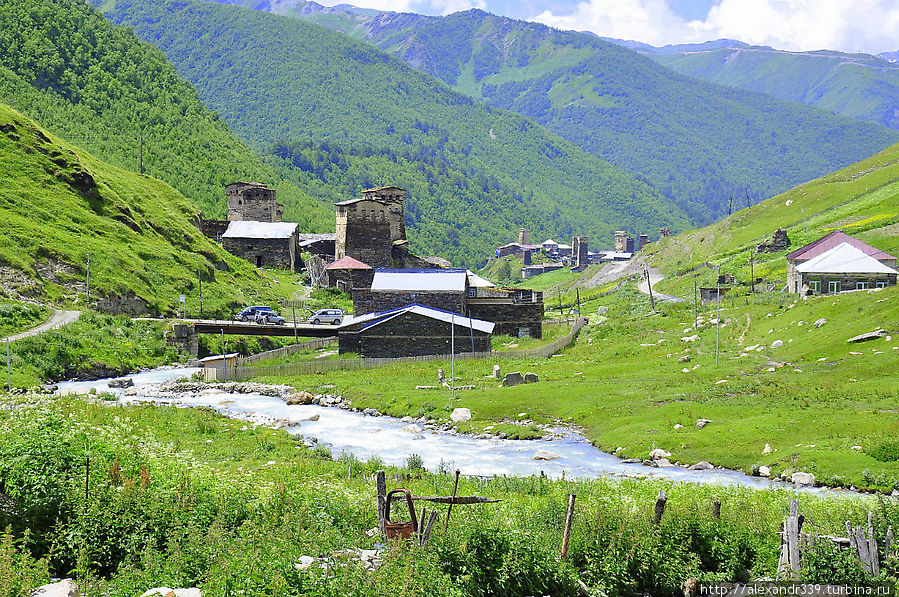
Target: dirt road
x: 57, y: 320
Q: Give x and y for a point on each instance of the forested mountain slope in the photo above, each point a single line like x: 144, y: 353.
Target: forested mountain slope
x: 97, y: 85
x: 347, y: 115
x: 696, y: 142
x: 857, y: 85
x: 60, y: 207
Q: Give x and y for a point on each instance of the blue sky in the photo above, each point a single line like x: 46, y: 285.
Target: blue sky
x: 847, y: 25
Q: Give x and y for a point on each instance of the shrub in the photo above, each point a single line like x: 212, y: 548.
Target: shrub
x: 885, y: 452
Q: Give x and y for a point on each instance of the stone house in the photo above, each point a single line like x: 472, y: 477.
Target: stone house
x: 821, y: 246
x: 842, y: 268
x: 265, y: 244
x: 415, y: 330
x: 348, y: 273
x: 367, y: 227
x: 252, y: 201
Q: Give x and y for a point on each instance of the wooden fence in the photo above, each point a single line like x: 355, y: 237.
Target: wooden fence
x: 242, y: 372
x: 286, y: 350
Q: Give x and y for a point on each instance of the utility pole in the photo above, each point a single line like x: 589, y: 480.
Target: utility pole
x: 8, y: 367
x: 695, y: 302
x: 578, y: 294
x: 453, y: 354
x: 718, y: 318
x: 748, y: 200
x: 88, y: 301
x: 730, y: 206
x: 142, y: 152
x: 649, y: 285
x: 751, y: 273
x: 223, y: 347
x: 471, y: 331
x: 293, y: 310
x: 200, y: 279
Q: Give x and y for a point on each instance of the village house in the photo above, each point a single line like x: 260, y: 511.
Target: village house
x: 415, y: 330
x: 838, y: 262
x: 253, y: 201
x: 368, y: 227
x: 348, y: 273
x: 265, y: 244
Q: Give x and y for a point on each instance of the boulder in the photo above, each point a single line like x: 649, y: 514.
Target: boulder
x: 441, y: 375
x: 304, y: 563
x: 300, y: 398
x: 692, y: 338
x: 413, y: 428
x: 371, y: 412
x: 684, y: 359
x: 805, y: 479
x: 777, y: 344
x: 819, y: 322
x: 767, y: 449
x: 167, y: 592
x: 531, y: 378
x: 460, y: 415
x: 678, y: 426
x: 869, y: 336
x: 63, y: 588
x: 702, y: 466
x: 659, y: 453
x: 514, y: 378
x: 545, y: 455
x: 122, y: 382
x: 651, y: 463
x: 764, y: 471
x: 496, y: 372
x: 700, y: 423
x: 631, y: 461
x: 663, y: 463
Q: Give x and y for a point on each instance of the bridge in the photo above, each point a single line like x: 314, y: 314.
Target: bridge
x: 184, y: 333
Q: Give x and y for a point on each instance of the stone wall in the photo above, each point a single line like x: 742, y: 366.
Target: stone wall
x: 412, y: 335
x: 264, y: 252
x: 366, y: 301
x: 510, y: 318
x: 347, y: 279
x: 214, y: 229
x: 847, y: 282
x: 252, y: 201
x: 367, y: 240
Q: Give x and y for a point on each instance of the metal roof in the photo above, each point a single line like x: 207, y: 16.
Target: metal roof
x: 826, y: 243
x: 844, y: 259
x: 419, y: 280
x: 439, y: 314
x: 250, y: 229
x: 478, y: 281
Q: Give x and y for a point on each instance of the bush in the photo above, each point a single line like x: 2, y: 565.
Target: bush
x: 885, y: 452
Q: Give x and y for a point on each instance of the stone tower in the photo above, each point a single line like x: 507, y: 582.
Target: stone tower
x: 580, y: 257
x: 252, y: 201
x: 644, y: 240
x: 620, y: 241
x: 368, y: 227
x: 524, y: 236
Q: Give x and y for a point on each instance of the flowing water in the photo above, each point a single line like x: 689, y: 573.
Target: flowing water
x: 365, y: 436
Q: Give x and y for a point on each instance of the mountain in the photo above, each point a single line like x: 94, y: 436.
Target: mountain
x: 97, y: 85
x: 862, y: 86
x: 347, y: 116
x: 698, y: 143
x: 61, y: 208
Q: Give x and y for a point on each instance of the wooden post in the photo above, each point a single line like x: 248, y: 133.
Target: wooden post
x: 427, y: 532
x: 660, y: 507
x: 568, y: 518
x: 450, y: 509
x: 421, y: 520
x: 873, y: 558
x: 87, y: 480
x: 792, y: 529
x: 381, y: 481
x: 716, y: 509
x: 889, y: 541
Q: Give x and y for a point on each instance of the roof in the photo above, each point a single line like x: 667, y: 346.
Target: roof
x: 564, y: 246
x: 348, y: 263
x: 419, y: 280
x: 250, y: 229
x: 376, y: 189
x: 837, y: 237
x: 550, y: 241
x: 374, y: 319
x: 522, y: 246
x: 477, y: 281
x: 309, y: 237
x: 844, y: 259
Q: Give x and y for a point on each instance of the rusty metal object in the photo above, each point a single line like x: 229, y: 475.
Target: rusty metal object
x: 400, y: 530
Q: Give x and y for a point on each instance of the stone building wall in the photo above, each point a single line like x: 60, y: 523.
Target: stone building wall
x: 348, y: 279
x: 366, y: 301
x: 580, y: 258
x: 252, y: 201
x: 411, y: 334
x: 214, y: 229
x: 847, y: 281
x: 620, y: 241
x: 264, y: 252
x: 513, y: 319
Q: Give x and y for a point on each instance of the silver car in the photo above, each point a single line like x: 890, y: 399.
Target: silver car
x: 332, y: 316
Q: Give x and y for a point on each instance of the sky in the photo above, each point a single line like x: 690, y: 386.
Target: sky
x: 870, y: 26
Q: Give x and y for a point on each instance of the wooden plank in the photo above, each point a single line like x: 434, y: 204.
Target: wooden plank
x: 793, y: 542
x: 873, y: 556
x: 568, y: 518
x: 427, y: 532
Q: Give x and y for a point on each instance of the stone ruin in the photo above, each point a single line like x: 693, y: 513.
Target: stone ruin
x: 779, y: 242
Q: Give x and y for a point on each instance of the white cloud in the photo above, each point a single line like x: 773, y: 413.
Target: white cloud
x: 850, y: 26
x: 430, y: 7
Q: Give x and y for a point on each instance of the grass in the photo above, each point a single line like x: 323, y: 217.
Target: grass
x: 622, y: 383
x: 17, y: 317
x: 183, y: 497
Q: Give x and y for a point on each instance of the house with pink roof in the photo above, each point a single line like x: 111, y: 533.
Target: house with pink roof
x: 838, y: 262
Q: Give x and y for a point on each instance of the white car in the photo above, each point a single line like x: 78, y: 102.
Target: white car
x: 332, y: 316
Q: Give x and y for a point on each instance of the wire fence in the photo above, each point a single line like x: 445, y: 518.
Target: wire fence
x: 242, y: 372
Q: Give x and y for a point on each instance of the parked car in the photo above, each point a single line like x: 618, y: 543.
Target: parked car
x: 264, y: 317
x: 332, y: 316
x: 250, y: 313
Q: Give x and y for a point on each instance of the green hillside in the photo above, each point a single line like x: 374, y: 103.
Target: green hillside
x: 348, y: 116
x: 697, y: 143
x: 856, y: 85
x: 98, y: 86
x: 58, y: 204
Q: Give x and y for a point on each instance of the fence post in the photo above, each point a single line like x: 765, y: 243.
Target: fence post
x: 568, y: 518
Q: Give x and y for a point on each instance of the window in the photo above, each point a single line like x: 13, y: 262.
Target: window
x: 882, y: 284
x: 833, y: 286
x: 861, y: 285
x: 815, y: 286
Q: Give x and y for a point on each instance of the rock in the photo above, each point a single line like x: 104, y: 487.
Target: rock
x: 545, y: 455
x: 441, y: 375
x: 460, y: 415
x: 407, y: 419
x: 702, y: 466
x: 631, y: 461
x: 496, y: 372
x: 859, y: 448
x: 659, y: 453
x: 167, y: 592
x: 304, y: 563
x: 412, y: 428
x: 869, y: 336
x: 685, y: 370
x: 684, y: 359
x: 514, y: 378
x: 805, y: 479
x: 777, y: 344
x: 63, y: 588
x: 124, y: 382
x: 663, y: 463
x: 700, y: 423
x: 531, y: 378
x: 819, y: 322
x: 764, y: 471
x: 300, y: 398
x: 767, y: 449
x: 692, y: 338
x: 678, y: 426
x: 651, y: 463
x: 371, y: 412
